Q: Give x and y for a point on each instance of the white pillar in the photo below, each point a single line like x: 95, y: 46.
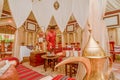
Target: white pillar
x: 16, y: 45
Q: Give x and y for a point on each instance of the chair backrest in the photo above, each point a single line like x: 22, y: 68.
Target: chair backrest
x: 83, y: 60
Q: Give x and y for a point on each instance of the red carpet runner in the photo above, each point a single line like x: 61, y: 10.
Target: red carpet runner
x: 28, y: 74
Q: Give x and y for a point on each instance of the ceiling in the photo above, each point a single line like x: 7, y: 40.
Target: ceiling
x: 112, y: 5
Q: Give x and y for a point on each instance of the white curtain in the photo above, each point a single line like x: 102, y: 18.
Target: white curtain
x: 99, y: 30
x: 16, y: 45
x: 85, y: 36
x: 42, y: 11
x: 20, y: 10
x: 1, y: 6
x: 63, y: 14
x: 80, y: 10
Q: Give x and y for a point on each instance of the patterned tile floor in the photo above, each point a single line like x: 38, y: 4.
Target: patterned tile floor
x: 39, y: 69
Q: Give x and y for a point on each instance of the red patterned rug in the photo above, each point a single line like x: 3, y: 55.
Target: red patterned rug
x: 28, y: 74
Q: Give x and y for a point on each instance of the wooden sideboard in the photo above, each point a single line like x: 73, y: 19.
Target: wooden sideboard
x: 35, y: 58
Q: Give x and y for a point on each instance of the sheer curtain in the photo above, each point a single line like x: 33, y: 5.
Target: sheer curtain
x: 20, y: 10
x: 63, y: 13
x: 81, y: 13
x: 99, y: 30
x: 1, y: 6
x: 43, y: 12
x: 80, y: 9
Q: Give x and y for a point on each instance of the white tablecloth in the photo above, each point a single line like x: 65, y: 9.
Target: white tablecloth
x: 24, y: 52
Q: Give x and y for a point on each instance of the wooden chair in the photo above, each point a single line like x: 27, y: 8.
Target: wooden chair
x: 83, y: 60
x: 71, y: 69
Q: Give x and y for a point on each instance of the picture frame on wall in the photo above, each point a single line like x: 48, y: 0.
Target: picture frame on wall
x: 70, y: 28
x: 31, y: 26
x: 111, y: 20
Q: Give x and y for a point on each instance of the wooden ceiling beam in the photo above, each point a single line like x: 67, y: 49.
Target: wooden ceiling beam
x: 112, y: 12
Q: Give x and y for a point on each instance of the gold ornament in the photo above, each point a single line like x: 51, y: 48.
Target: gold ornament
x: 56, y: 5
x: 93, y: 49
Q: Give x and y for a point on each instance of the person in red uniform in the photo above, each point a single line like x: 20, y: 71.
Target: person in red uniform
x: 51, y: 39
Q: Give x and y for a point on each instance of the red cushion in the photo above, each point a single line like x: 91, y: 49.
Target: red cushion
x: 11, y: 58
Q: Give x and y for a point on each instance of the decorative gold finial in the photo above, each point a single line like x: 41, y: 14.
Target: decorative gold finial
x: 92, y: 48
x: 90, y: 30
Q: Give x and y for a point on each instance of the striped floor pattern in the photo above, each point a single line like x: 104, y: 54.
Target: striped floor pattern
x: 28, y: 74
